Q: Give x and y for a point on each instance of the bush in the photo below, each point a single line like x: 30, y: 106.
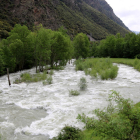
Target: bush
x: 83, y: 83
x: 68, y: 133
x: 49, y: 79
x: 74, y: 92
x: 51, y: 72
x: 97, y: 67
x: 27, y: 77
x: 109, y: 73
x: 120, y: 120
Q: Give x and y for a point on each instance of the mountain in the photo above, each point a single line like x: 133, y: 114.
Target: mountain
x: 93, y: 17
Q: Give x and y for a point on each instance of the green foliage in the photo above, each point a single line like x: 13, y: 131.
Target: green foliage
x: 69, y: 133
x: 81, y: 45
x: 83, y: 83
x: 41, y: 40
x: 61, y: 48
x: 118, y: 46
x: 48, y: 80
x: 1, y: 61
x: 51, y: 72
x: 24, y: 49
x: 98, y: 67
x: 74, y: 92
x: 109, y: 73
x: 27, y: 77
x: 17, y: 53
x: 120, y: 120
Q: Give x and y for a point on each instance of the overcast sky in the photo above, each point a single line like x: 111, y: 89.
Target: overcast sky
x: 128, y: 11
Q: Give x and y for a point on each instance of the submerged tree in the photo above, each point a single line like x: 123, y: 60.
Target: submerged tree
x: 81, y: 45
x: 61, y: 48
x: 16, y: 48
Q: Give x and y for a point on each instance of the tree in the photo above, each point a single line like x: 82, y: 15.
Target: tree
x: 42, y: 48
x: 8, y: 57
x: 1, y: 60
x: 81, y: 45
x: 119, y: 46
x: 15, y: 46
x: 61, y: 48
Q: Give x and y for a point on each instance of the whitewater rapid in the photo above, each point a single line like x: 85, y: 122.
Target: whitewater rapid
x: 32, y: 111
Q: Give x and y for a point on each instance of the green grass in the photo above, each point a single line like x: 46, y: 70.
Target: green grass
x: 131, y: 62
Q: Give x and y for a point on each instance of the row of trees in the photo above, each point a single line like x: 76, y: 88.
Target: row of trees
x: 24, y: 49
x: 118, y: 46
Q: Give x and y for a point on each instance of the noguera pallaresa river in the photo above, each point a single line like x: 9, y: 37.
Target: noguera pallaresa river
x: 32, y: 111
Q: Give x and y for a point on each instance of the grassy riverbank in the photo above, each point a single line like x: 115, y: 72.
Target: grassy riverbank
x: 131, y: 62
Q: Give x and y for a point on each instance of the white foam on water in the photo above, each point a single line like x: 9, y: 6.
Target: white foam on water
x: 58, y: 107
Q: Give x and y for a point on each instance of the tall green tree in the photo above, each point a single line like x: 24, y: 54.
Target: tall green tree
x: 42, y: 47
x: 8, y: 57
x: 81, y: 45
x: 119, y: 46
x: 1, y: 60
x: 15, y: 46
x: 61, y: 48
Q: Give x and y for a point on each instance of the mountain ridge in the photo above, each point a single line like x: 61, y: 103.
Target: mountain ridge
x: 93, y: 17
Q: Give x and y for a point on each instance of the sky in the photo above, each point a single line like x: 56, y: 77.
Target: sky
x: 128, y: 11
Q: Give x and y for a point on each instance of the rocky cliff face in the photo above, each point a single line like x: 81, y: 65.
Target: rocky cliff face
x: 93, y: 17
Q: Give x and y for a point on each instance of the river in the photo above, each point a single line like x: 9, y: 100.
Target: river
x: 32, y: 111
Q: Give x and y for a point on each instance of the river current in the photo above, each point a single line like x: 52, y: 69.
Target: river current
x: 32, y: 111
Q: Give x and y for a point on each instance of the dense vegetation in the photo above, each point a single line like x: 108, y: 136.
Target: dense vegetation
x: 24, y: 49
x: 97, y: 68
x: 118, y: 46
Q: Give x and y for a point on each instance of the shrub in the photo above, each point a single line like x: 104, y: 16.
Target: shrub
x: 74, y: 92
x: 120, y: 120
x: 27, y: 77
x: 49, y: 79
x: 97, y: 67
x: 83, y: 83
x: 68, y: 133
x: 51, y: 72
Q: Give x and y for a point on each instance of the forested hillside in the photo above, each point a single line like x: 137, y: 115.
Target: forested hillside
x: 92, y: 17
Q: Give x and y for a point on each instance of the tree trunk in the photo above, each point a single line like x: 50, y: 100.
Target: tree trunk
x: 8, y: 76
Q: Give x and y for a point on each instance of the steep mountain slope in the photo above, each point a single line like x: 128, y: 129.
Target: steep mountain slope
x: 93, y: 17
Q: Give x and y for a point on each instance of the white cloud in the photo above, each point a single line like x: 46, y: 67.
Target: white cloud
x: 128, y: 11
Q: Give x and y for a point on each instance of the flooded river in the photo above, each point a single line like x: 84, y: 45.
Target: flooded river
x: 32, y: 111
